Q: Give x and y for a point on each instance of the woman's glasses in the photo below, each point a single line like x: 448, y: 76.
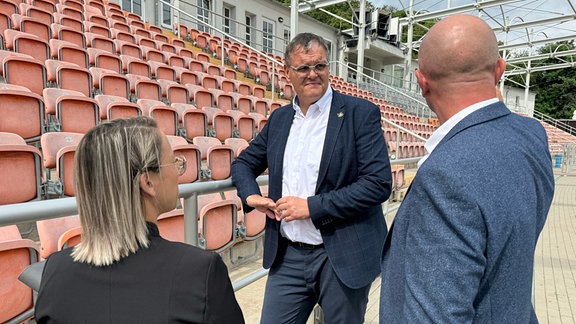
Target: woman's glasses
x: 179, y: 163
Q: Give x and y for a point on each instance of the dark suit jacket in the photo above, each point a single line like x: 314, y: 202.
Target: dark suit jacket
x: 167, y: 282
x: 461, y: 249
x: 353, y: 180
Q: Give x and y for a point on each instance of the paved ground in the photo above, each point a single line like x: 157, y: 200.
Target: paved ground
x: 554, y: 276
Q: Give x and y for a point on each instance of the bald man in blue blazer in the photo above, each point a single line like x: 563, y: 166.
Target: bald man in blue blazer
x: 461, y: 247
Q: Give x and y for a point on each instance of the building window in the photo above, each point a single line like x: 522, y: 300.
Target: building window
x: 166, y: 15
x: 267, y: 36
x: 248, y: 35
x: 227, y: 21
x: 203, y: 14
x: 134, y: 6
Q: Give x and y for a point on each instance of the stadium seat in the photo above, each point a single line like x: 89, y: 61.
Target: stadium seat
x: 37, y: 13
x: 201, y: 97
x: 207, y: 81
x: 70, y: 111
x: 96, y: 17
x: 194, y: 121
x: 65, y: 75
x: 171, y: 225
x: 134, y: 65
x: 174, y: 92
x: 143, y: 87
x: 217, y: 225
x: 218, y: 157
x: 11, y: 138
x: 26, y: 43
x: 69, y: 21
x: 15, y: 255
x: 100, y: 42
x: 58, y: 150
x: 259, y: 119
x: 193, y: 158
x: 10, y: 7
x: 71, y: 11
x: 244, y: 125
x: 160, y: 70
x: 76, y: 4
x: 50, y: 231
x: 224, y: 100
x: 105, y: 60
x: 69, y: 52
x: 22, y: 112
x: 165, y: 116
x: 242, y: 102
x: 70, y: 238
x: 222, y: 123
x: 237, y: 145
x: 127, y: 48
x: 69, y: 34
x: 175, y: 60
x: 113, y: 107
x: 20, y: 173
x: 251, y: 224
x: 121, y: 32
x: 31, y: 26
x: 185, y: 76
x: 109, y: 82
x: 96, y: 28
x: 260, y: 106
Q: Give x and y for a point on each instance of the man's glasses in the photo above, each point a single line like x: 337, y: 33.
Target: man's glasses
x: 305, y: 69
x: 179, y: 163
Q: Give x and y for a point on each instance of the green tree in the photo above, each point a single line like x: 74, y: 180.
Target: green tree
x: 555, y: 89
x: 341, y: 9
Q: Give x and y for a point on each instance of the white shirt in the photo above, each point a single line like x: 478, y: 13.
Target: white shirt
x: 302, y: 158
x: 445, y: 128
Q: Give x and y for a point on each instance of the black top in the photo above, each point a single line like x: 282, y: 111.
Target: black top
x: 168, y: 282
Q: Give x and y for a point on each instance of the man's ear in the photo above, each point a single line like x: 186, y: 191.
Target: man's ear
x: 500, y: 68
x: 422, y: 82
x: 146, y: 184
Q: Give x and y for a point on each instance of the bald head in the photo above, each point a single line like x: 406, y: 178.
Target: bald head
x: 461, y: 47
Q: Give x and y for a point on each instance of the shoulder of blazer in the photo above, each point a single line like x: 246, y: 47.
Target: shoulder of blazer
x: 483, y: 115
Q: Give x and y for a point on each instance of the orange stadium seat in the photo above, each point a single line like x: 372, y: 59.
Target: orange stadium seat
x: 160, y: 70
x: 68, y: 21
x: 95, y: 28
x: 171, y: 225
x: 58, y: 150
x: 152, y: 54
x: 193, y: 160
x: 134, y: 65
x: 69, y: 76
x: 217, y: 157
x: 22, y: 112
x: 165, y: 116
x: 217, y: 225
x: 20, y: 173
x: 174, y: 92
x: 103, y: 59
x: 113, y: 107
x: 185, y: 76
x: 15, y: 255
x: 69, y: 34
x: 222, y: 123
x: 10, y: 7
x: 39, y: 14
x: 110, y: 83
x: 70, y: 111
x: 143, y: 87
x: 26, y: 43
x: 194, y: 121
x: 50, y: 231
x: 127, y: 48
x: 69, y: 52
x: 237, y: 145
x: 31, y: 26
x: 244, y: 124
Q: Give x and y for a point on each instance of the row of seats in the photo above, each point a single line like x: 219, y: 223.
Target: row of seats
x: 28, y: 173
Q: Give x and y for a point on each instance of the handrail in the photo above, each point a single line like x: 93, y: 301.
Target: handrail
x: 421, y: 107
x: 556, y: 123
x: 274, y: 61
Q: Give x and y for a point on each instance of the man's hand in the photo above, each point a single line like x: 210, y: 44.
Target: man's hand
x: 263, y: 204
x: 291, y: 208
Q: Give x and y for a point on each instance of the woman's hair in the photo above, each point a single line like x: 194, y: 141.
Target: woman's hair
x: 108, y: 163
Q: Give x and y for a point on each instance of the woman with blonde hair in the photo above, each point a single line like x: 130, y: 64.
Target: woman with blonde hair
x: 126, y: 175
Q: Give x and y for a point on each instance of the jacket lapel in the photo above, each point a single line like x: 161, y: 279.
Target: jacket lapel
x: 335, y: 120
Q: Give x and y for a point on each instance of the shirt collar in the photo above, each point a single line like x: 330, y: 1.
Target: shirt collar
x: 445, y: 128
x: 323, y: 103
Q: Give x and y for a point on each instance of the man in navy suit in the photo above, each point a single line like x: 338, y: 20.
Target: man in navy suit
x: 329, y: 173
x: 461, y: 248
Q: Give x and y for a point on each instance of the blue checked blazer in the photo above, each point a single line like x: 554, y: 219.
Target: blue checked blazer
x: 461, y: 248
x: 353, y: 180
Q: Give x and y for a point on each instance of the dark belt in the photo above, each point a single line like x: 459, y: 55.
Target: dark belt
x: 301, y: 245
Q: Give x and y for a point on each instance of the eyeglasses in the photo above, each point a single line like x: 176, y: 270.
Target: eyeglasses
x: 305, y: 69
x: 179, y: 163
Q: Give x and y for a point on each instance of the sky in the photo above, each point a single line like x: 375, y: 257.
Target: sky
x: 522, y: 10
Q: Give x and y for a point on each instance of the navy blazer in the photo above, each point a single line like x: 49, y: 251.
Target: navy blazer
x: 353, y: 180
x: 462, y: 245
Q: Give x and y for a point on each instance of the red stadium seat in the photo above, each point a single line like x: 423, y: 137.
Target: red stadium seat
x: 69, y: 76
x: 58, y: 150
x: 22, y: 112
x: 70, y: 111
x: 20, y: 173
